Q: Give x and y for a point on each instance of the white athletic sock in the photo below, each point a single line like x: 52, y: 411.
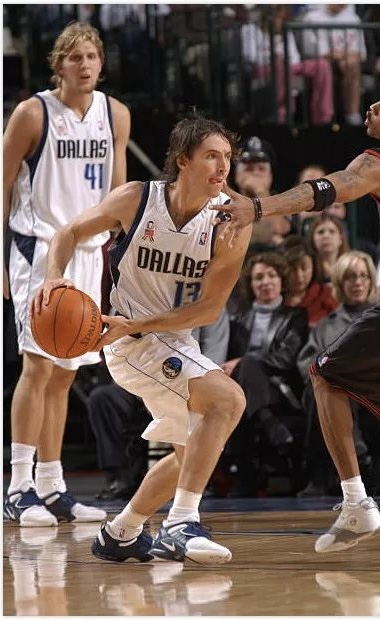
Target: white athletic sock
x: 128, y: 524
x: 22, y: 461
x: 49, y: 478
x: 185, y: 507
x: 353, y: 489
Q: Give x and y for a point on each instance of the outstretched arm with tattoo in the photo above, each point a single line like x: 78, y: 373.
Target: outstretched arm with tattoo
x: 362, y: 176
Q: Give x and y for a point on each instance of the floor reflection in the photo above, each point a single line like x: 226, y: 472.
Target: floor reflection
x: 51, y: 572
x: 39, y: 563
x: 355, y: 596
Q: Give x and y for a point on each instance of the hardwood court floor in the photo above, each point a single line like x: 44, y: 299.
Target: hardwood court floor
x: 274, y: 571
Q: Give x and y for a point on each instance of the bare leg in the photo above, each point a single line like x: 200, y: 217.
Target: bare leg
x: 222, y: 406
x: 336, y: 421
x: 28, y: 404
x: 56, y: 404
x: 159, y: 484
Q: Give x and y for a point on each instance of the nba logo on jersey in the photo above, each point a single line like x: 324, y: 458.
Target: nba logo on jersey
x: 149, y: 231
x: 203, y: 238
x: 100, y: 125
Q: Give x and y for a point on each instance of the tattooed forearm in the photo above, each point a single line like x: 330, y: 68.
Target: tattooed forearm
x: 361, y: 177
x: 295, y: 200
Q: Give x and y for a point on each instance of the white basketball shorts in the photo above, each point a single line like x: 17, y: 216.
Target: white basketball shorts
x: 157, y: 367
x: 27, y: 269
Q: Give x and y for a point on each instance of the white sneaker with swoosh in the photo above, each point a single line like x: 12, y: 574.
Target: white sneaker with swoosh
x: 188, y: 540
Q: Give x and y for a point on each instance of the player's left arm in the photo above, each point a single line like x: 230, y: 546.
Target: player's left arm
x: 121, y: 120
x: 220, y: 276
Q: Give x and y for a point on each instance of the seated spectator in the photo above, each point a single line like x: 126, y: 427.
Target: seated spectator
x: 256, y: 52
x: 302, y: 220
x: 254, y: 173
x: 354, y: 279
x: 328, y: 240
x: 345, y: 47
x: 266, y: 336
x: 117, y: 419
x: 302, y: 290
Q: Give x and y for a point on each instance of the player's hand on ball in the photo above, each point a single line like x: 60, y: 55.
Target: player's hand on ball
x: 43, y: 294
x: 118, y: 327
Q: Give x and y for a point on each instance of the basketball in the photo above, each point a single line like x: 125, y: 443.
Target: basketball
x: 70, y: 325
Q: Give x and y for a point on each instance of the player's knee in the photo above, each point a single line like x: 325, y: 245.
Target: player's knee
x: 36, y: 370
x: 231, y: 404
x: 61, y: 379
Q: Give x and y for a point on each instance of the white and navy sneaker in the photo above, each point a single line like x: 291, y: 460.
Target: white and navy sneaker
x: 27, y: 509
x: 188, y: 540
x: 106, y: 547
x: 66, y: 508
x: 355, y: 522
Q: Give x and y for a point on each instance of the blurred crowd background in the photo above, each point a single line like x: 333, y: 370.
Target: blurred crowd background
x: 295, y: 82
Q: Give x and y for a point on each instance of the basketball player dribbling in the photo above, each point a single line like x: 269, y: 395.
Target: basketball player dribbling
x: 64, y: 149
x: 171, y: 272
x: 350, y: 367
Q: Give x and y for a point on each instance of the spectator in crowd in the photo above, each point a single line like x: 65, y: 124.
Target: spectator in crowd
x: 371, y: 13
x: 328, y: 241
x: 354, y: 279
x: 256, y: 52
x: 345, y: 47
x: 266, y: 336
x: 303, y: 220
x: 302, y: 290
x: 117, y: 419
x: 254, y: 173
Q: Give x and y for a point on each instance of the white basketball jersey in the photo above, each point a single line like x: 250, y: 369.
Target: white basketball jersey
x: 155, y: 267
x: 70, y: 171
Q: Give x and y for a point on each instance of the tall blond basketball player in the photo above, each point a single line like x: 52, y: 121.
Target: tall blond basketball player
x: 64, y: 149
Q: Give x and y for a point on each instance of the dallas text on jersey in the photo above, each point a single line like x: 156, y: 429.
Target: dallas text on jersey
x: 81, y: 149
x: 166, y: 262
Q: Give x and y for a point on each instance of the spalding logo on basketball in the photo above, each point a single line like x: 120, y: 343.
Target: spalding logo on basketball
x: 171, y: 367
x: 69, y: 326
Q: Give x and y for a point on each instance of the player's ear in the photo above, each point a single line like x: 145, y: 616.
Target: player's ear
x: 182, y: 161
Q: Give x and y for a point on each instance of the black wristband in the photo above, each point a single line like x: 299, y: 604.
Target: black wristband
x: 324, y: 193
x: 257, y: 208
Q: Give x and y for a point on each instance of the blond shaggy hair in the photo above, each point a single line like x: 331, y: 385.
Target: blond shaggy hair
x: 72, y: 35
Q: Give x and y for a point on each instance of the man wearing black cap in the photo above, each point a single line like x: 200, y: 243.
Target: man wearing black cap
x: 254, y: 177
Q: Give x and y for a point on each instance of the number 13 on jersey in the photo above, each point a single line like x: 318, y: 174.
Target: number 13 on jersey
x: 186, y: 293
x: 94, y: 174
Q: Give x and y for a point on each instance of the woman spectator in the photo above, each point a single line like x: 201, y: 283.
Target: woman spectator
x: 302, y: 289
x: 354, y: 279
x: 265, y: 338
x: 328, y: 240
